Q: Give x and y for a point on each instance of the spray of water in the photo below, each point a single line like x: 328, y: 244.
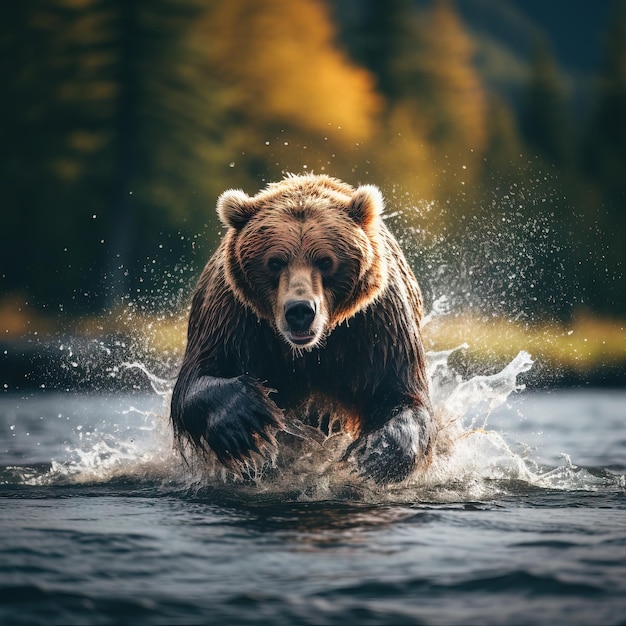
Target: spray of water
x: 472, y: 460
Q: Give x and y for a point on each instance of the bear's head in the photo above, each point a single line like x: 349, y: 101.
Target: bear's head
x: 305, y: 253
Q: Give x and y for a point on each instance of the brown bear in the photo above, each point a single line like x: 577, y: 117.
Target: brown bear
x: 307, y: 311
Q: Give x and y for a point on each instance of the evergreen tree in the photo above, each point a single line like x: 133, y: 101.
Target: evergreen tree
x: 383, y: 41
x: 604, y: 158
x: 110, y: 144
x: 605, y: 150
x: 163, y: 127
x: 545, y: 119
x: 49, y: 131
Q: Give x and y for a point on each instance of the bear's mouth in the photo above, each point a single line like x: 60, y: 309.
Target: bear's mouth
x: 301, y: 337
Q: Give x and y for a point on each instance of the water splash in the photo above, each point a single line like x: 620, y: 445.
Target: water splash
x: 115, y: 439
x: 472, y: 462
x: 491, y: 391
x: 161, y: 386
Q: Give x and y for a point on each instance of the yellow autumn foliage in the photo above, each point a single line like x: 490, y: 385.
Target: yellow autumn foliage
x: 281, y: 61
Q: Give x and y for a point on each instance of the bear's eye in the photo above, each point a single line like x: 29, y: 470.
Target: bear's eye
x: 275, y: 264
x: 324, y: 264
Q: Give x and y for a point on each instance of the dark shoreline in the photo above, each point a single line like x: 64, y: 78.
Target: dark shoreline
x: 96, y: 365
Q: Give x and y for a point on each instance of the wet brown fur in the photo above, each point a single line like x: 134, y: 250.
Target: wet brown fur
x: 369, y: 364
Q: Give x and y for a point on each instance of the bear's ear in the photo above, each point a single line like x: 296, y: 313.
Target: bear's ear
x: 366, y: 205
x: 235, y: 208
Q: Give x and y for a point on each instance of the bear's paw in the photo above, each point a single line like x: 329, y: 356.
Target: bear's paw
x: 389, y: 454
x: 238, y: 418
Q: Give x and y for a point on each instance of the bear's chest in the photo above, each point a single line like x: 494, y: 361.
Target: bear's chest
x: 319, y: 378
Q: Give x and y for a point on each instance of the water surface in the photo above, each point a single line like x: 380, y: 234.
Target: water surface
x: 101, y: 523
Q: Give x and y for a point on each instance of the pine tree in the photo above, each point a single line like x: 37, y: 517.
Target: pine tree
x: 111, y: 144
x: 605, y: 150
x: 604, y: 157
x: 163, y: 149
x: 49, y: 131
x: 545, y: 118
x: 382, y: 41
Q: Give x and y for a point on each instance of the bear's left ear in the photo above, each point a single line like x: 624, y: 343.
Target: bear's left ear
x: 366, y: 205
x: 235, y: 208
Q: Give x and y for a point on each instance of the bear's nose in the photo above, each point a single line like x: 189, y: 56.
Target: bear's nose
x: 300, y: 314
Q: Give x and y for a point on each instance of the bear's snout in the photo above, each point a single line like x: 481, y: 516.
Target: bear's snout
x: 300, y: 315
x: 300, y: 311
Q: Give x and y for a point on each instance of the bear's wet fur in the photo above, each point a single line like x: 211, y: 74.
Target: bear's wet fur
x: 307, y: 311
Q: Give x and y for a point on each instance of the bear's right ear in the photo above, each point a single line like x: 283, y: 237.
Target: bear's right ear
x: 235, y: 208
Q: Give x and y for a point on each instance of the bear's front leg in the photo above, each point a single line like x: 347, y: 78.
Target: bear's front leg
x: 391, y: 453
x: 233, y: 416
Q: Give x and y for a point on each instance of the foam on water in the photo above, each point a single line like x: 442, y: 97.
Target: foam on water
x: 473, y: 461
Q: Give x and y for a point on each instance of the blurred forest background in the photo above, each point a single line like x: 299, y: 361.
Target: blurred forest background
x: 495, y: 128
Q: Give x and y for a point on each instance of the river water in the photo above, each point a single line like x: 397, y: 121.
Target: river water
x: 101, y: 523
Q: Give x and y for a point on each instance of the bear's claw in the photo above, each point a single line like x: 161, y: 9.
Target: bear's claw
x: 389, y: 454
x: 234, y: 416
